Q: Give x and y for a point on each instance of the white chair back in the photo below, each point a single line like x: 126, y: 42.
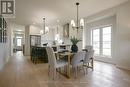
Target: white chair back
x: 51, y: 56
x: 78, y: 57
x: 89, y: 47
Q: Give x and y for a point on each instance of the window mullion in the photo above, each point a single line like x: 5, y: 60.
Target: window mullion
x: 101, y: 41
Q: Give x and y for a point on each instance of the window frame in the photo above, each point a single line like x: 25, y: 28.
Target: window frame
x: 101, y: 39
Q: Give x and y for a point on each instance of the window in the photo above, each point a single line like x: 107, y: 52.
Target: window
x: 19, y: 41
x: 107, y: 41
x: 101, y: 41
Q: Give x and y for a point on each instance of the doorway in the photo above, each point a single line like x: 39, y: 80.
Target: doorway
x: 18, y: 42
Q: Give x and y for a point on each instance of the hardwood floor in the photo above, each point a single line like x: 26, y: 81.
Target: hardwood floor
x: 21, y: 72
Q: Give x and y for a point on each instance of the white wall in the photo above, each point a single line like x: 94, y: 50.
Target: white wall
x: 122, y: 33
x: 27, y: 41
x: 34, y: 30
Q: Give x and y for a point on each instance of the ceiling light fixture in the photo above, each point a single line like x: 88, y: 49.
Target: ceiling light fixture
x: 45, y: 28
x: 78, y: 25
x: 57, y: 37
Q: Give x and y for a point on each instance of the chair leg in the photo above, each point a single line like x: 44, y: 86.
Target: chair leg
x: 49, y: 70
x: 87, y: 70
x: 84, y: 70
x: 75, y: 71
x: 92, y: 63
x: 65, y: 69
x: 54, y: 73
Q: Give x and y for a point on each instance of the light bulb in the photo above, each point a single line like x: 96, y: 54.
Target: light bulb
x: 41, y: 31
x: 72, y: 23
x: 82, y: 22
x: 46, y: 29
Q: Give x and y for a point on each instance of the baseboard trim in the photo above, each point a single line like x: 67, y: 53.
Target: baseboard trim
x: 118, y: 66
x: 104, y: 61
x: 122, y: 67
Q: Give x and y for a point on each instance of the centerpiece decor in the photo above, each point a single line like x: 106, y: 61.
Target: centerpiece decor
x: 74, y: 46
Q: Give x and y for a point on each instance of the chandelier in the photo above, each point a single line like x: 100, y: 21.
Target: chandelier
x: 78, y: 25
x: 45, y: 28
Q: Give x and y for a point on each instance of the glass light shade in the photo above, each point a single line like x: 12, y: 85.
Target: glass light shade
x: 57, y: 37
x: 41, y: 31
x: 72, y: 23
x: 82, y: 22
x: 60, y: 41
x: 46, y: 29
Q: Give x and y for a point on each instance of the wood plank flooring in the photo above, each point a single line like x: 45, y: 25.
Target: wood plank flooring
x: 21, y: 72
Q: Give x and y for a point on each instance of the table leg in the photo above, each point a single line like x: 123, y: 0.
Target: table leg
x: 68, y: 66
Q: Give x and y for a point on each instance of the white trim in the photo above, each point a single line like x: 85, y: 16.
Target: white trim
x: 105, y: 61
x: 122, y: 67
x: 101, y: 26
x: 99, y: 18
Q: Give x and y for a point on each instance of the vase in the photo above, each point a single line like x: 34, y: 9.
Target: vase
x: 74, y: 48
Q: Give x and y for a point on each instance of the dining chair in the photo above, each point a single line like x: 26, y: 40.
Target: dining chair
x: 91, y: 60
x: 77, y: 61
x: 88, y: 60
x: 53, y: 63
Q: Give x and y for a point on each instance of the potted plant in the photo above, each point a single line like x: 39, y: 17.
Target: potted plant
x: 74, y: 46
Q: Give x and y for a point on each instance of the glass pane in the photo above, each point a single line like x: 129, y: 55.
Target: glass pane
x: 106, y: 45
x: 107, y: 52
x: 106, y: 30
x: 107, y: 41
x: 96, y: 39
x: 107, y: 37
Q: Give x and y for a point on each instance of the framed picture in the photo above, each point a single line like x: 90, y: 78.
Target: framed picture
x: 66, y: 30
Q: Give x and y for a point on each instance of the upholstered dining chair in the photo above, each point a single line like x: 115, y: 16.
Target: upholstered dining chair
x: 53, y: 63
x: 91, y: 60
x: 88, y: 60
x: 77, y: 61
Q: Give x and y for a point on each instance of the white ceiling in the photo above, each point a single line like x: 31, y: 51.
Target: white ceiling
x: 30, y: 11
